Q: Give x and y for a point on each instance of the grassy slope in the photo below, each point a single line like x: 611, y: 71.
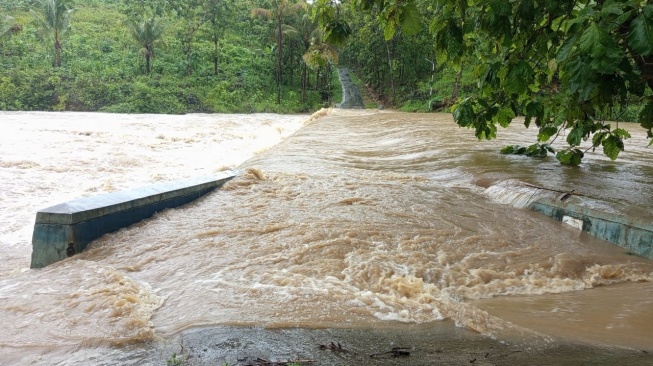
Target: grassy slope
x: 103, y: 69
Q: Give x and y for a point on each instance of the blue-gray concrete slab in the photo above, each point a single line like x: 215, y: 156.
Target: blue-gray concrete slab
x: 67, y: 228
x: 633, y: 234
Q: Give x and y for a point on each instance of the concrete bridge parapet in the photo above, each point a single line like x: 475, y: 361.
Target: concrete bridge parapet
x: 633, y: 234
x: 62, y: 230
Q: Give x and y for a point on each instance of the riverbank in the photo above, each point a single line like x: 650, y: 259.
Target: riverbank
x: 441, y: 343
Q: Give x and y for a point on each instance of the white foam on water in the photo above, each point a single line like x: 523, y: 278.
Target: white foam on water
x: 50, y: 158
x: 324, y: 229
x: 517, y: 194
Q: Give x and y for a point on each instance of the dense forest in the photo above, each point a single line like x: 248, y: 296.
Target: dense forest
x: 205, y: 56
x: 197, y: 56
x: 157, y: 57
x: 569, y: 68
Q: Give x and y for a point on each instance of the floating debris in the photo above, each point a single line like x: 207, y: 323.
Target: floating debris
x: 263, y: 362
x: 567, y: 195
x: 336, y: 347
x: 395, y: 352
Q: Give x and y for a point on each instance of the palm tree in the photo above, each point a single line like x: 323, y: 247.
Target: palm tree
x: 192, y: 14
x: 6, y: 24
x: 307, y: 29
x: 321, y: 55
x: 282, y: 8
x: 54, y: 20
x: 147, y: 33
x: 218, y: 22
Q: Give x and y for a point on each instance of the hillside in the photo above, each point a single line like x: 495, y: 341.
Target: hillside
x: 219, y: 61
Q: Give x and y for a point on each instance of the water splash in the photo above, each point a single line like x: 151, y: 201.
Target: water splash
x: 518, y: 194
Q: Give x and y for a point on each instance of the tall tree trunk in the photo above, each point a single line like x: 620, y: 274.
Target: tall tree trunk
x: 392, y: 72
x: 308, y: 78
x: 216, y: 57
x: 149, y: 52
x: 456, y: 85
x: 327, y: 83
x: 57, y: 50
x: 188, y: 68
x: 187, y: 45
x: 645, y: 65
x: 304, y: 83
x: 292, y: 70
x: 187, y: 42
x: 279, y: 54
x: 377, y: 74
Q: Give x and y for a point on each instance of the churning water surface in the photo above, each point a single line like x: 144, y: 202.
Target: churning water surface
x: 360, y: 218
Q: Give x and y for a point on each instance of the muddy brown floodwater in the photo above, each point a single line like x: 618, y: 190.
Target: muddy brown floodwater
x: 360, y: 219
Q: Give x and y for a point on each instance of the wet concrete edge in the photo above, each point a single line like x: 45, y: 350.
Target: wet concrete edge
x: 63, y: 230
x: 442, y: 343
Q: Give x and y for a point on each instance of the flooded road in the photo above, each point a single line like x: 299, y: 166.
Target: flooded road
x: 359, y: 219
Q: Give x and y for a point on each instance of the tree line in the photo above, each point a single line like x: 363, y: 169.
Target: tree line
x: 572, y: 69
x: 569, y: 68
x: 163, y: 56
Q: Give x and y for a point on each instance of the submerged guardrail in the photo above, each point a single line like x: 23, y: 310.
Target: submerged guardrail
x: 62, y: 230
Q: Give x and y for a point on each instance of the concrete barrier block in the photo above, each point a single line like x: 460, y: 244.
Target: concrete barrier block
x: 67, y: 228
x: 49, y: 243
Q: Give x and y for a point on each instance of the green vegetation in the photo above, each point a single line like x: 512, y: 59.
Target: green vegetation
x: 280, y: 10
x: 164, y: 56
x: 568, y: 67
x: 175, y: 361
x: 53, y: 18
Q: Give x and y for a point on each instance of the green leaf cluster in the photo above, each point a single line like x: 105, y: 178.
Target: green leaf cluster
x: 567, y: 67
x: 535, y: 150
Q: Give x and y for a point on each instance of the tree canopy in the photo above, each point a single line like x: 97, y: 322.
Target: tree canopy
x: 563, y: 65
x: 573, y: 70
x: 54, y: 19
x: 211, y: 56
